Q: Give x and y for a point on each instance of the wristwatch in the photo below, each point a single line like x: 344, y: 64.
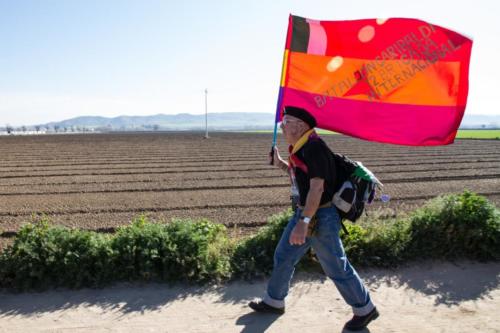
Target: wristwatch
x: 306, y: 219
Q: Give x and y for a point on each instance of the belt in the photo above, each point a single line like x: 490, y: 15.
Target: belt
x: 325, y: 205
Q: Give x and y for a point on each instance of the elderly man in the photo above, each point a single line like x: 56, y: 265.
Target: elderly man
x: 312, y: 168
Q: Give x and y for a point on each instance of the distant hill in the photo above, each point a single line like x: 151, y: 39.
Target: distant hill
x: 182, y: 121
x: 216, y: 121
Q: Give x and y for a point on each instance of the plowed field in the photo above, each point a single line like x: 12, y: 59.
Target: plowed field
x: 102, y: 181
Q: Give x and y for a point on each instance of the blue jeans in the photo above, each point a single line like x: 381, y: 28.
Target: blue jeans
x: 330, y: 252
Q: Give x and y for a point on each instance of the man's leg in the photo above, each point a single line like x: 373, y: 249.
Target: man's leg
x: 330, y: 252
x: 286, y: 256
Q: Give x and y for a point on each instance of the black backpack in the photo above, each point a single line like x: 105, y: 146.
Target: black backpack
x: 356, y: 187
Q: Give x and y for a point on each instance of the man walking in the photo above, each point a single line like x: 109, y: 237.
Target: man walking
x: 312, y: 169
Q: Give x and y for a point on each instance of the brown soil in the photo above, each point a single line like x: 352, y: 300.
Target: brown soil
x: 101, y: 181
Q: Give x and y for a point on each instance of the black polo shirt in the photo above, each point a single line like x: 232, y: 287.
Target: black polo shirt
x: 318, y: 158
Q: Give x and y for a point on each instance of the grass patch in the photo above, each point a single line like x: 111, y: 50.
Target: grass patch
x: 478, y: 134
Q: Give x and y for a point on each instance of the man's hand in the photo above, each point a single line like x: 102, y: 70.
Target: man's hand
x: 299, y: 233
x: 275, y: 159
x: 274, y: 156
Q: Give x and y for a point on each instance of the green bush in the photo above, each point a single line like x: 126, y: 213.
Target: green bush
x: 354, y: 242
x: 43, y: 256
x: 180, y: 250
x: 253, y: 257
x: 385, y: 244
x: 456, y: 226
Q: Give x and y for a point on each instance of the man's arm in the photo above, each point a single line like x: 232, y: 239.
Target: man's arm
x: 278, y: 161
x: 299, y: 232
x: 316, y: 187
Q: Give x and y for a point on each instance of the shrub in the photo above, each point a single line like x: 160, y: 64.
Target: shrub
x: 180, y: 250
x: 354, y: 242
x: 253, y: 257
x: 43, y: 256
x: 139, y: 249
x: 456, y: 226
x: 386, y: 243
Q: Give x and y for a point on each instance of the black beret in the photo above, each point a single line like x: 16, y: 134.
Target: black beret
x: 300, y: 113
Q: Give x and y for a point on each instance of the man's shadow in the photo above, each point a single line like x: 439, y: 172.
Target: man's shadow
x: 256, y: 322
x: 364, y: 330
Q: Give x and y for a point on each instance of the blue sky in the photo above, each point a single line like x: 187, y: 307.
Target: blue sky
x: 66, y: 58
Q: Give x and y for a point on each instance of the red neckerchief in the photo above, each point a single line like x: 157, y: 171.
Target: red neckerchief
x: 293, y: 160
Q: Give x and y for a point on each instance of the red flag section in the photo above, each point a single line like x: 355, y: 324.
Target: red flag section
x: 400, y: 81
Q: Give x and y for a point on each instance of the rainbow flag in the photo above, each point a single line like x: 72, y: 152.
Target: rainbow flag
x: 399, y: 80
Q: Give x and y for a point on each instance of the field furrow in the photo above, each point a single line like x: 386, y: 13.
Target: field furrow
x: 103, y: 181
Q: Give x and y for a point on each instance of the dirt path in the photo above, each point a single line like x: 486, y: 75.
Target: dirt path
x: 428, y: 297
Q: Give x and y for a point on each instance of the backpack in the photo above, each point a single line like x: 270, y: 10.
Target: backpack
x: 357, y: 187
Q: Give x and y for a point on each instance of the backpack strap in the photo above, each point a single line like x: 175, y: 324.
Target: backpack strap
x: 343, y: 226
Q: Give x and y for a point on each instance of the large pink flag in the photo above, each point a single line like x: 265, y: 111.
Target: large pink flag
x: 401, y: 81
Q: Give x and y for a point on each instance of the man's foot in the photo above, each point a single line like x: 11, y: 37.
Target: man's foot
x: 357, y: 323
x: 263, y: 307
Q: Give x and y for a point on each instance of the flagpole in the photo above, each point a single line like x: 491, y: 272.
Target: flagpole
x: 275, y: 135
x: 280, y: 91
x: 206, y: 113
x: 280, y: 96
